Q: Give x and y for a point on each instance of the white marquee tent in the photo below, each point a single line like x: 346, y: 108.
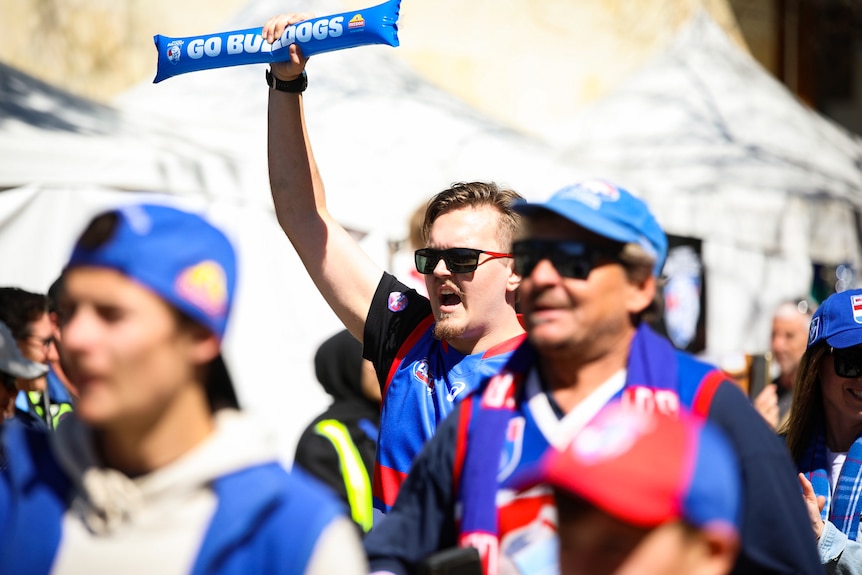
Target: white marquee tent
x: 725, y: 153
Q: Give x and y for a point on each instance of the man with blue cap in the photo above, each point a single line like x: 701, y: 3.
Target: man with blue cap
x: 589, y: 259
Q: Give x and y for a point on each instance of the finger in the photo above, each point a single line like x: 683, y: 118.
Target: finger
x: 270, y: 29
x: 274, y: 27
x: 767, y: 396
x: 299, y: 17
x: 807, y: 488
x: 268, y: 26
x: 808, y: 494
x: 280, y: 24
x: 296, y: 54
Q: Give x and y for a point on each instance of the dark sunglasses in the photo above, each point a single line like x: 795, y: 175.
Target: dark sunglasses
x: 848, y: 362
x: 572, y: 259
x: 458, y: 260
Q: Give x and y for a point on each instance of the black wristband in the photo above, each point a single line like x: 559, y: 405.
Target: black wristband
x: 295, y: 86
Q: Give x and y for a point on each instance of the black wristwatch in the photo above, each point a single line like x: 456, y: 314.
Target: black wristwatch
x: 295, y: 86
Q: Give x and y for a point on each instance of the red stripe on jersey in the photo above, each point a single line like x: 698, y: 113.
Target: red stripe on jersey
x: 708, y: 387
x: 387, y: 483
x: 505, y: 347
x: 408, y: 344
x: 464, y: 417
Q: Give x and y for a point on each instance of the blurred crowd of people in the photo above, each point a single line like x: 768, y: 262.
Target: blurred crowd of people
x: 505, y: 410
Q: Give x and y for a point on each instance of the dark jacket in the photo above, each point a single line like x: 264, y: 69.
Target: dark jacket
x: 338, y: 367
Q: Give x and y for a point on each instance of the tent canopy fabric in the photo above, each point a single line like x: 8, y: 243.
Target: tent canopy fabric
x: 55, y: 138
x: 723, y: 152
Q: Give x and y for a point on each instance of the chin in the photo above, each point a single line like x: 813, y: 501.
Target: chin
x: 546, y: 330
x: 94, y: 411
x: 92, y: 417
x: 548, y: 342
x: 448, y: 328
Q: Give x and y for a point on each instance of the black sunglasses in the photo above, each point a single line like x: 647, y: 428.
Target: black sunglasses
x: 458, y: 260
x: 848, y: 362
x: 572, y: 259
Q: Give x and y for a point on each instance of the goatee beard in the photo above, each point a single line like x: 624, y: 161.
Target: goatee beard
x: 444, y: 330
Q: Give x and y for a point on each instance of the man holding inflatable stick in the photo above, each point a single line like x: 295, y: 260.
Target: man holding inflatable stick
x: 427, y: 354
x: 589, y: 260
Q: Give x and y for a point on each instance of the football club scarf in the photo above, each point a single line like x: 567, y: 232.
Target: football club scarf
x: 651, y: 364
x: 843, y: 505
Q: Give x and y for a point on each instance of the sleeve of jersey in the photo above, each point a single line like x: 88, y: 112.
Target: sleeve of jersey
x: 422, y: 519
x: 776, y: 533
x: 396, y: 310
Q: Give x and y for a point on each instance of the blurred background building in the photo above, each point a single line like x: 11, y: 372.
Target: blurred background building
x: 500, y: 56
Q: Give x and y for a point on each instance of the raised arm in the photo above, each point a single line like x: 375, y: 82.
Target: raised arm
x: 343, y: 272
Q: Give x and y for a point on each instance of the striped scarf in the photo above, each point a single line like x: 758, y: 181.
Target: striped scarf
x: 843, y: 505
x: 652, y: 364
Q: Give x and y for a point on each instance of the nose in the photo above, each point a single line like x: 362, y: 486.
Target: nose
x: 441, y: 270
x: 52, y: 355
x: 545, y: 273
x: 78, y: 332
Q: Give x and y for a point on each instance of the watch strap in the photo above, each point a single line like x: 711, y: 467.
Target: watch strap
x: 295, y: 86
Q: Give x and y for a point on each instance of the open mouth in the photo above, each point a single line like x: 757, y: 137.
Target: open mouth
x: 449, y: 299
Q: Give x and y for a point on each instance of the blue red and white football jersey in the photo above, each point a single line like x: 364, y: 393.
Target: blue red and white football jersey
x: 421, y: 379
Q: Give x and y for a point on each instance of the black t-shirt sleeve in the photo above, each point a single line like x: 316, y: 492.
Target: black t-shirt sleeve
x: 422, y: 519
x: 776, y: 534
x: 390, y: 322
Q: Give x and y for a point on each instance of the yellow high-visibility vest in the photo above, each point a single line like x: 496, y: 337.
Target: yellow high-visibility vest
x: 353, y: 471
x: 57, y: 409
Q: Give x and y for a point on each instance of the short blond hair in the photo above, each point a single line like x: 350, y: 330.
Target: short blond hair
x: 474, y: 195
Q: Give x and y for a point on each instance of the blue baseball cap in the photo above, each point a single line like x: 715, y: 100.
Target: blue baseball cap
x: 649, y: 468
x: 609, y: 211
x: 838, y: 320
x: 178, y: 255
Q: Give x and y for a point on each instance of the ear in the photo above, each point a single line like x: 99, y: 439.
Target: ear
x: 641, y: 293
x: 513, y: 281
x: 204, y: 345
x: 720, y: 549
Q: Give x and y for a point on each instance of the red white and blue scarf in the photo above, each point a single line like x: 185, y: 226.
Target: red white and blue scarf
x: 843, y: 506
x: 651, y: 383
